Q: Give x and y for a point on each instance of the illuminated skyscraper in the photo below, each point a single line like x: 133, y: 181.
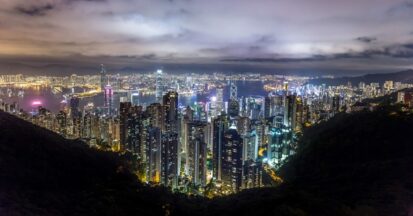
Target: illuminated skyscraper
x: 233, y: 91
x: 401, y: 95
x: 232, y: 160
x: 197, y: 152
x: 336, y: 104
x: 250, y: 146
x: 61, y: 118
x: 103, y: 77
x: 153, y: 155
x: 252, y: 167
x: 108, y: 97
x: 74, y: 107
x: 170, y: 104
x: 187, y: 118
x: 159, y: 85
x: 170, y: 144
x: 233, y: 106
x: 252, y: 174
x: 267, y: 107
x: 134, y: 130
x: 131, y: 128
x: 275, y: 146
x: 169, y: 159
x: 280, y: 140
x: 220, y: 125
x: 123, y: 123
x: 134, y: 98
x: 219, y: 99
x: 87, y: 126
x: 75, y: 115
x: 290, y: 108
x: 156, y: 115
x: 300, y: 115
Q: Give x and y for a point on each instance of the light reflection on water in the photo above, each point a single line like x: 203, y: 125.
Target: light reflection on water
x: 53, y: 102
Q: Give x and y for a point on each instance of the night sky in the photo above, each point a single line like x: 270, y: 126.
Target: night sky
x: 341, y: 37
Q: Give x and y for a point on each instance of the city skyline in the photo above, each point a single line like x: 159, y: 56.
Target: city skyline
x: 311, y: 37
x: 209, y: 135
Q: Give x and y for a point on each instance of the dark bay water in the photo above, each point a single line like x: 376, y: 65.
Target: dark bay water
x: 55, y: 102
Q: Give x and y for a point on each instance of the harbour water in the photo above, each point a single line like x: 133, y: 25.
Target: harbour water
x: 30, y: 98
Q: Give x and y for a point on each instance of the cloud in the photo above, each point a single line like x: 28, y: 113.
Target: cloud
x: 366, y: 39
x: 394, y: 51
x: 224, y: 32
x: 32, y: 10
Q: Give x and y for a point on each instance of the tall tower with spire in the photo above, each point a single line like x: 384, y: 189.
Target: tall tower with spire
x: 159, y: 87
x: 103, y: 77
x: 108, y: 99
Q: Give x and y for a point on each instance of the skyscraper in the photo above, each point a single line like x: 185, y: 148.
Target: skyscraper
x: 134, y: 98
x: 290, y: 108
x: 275, y: 146
x: 220, y: 125
x: 252, y: 174
x: 233, y: 106
x: 156, y: 115
x: 336, y: 104
x: 232, y: 160
x: 87, y: 126
x: 103, y: 77
x: 169, y: 159
x: 108, y: 99
x: 61, y: 118
x: 123, y: 123
x: 170, y: 144
x: 74, y: 107
x: 135, y: 130
x: 267, y: 107
x: 170, y: 104
x: 153, y: 155
x: 75, y: 116
x: 233, y: 91
x: 219, y: 99
x: 159, y: 85
x: 197, y: 152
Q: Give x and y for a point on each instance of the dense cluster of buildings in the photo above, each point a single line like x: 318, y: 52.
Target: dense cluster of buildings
x: 214, y: 147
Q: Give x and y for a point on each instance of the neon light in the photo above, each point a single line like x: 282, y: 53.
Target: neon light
x: 36, y: 103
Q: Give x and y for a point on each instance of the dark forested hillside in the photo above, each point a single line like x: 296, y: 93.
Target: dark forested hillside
x: 42, y: 173
x: 362, y: 160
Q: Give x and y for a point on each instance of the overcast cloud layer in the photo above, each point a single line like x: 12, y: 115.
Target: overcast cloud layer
x: 349, y: 37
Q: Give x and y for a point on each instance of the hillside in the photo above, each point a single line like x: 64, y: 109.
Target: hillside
x: 42, y: 173
x: 362, y: 160
x: 402, y: 76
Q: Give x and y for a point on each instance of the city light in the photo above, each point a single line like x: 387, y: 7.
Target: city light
x: 37, y: 103
x: 195, y: 121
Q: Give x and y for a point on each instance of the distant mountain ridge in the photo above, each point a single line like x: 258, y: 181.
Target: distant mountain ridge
x: 405, y: 76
